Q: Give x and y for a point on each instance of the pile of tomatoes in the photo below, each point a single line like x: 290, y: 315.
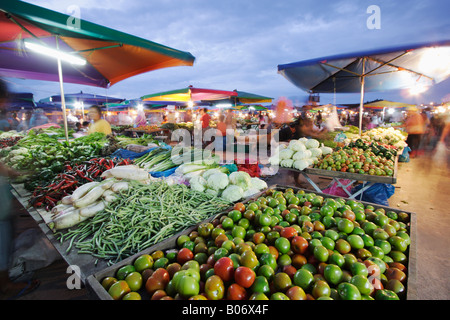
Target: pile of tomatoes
x: 356, y: 160
x: 284, y: 245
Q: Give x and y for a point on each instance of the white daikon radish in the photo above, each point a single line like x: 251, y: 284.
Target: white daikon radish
x: 92, y: 209
x: 109, y: 198
x: 107, y: 183
x: 60, y: 207
x: 119, y: 186
x: 93, y: 195
x: 67, y: 200
x: 83, y: 189
x: 130, y: 172
x: 108, y: 192
x: 67, y: 220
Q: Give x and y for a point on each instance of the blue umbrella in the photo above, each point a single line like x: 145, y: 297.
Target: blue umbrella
x: 408, y: 67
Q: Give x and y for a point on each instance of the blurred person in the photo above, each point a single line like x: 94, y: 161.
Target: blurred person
x: 4, y: 123
x: 230, y: 120
x: 415, y: 127
x: 98, y: 124
x: 319, y: 118
x: 187, y: 116
x: 263, y: 121
x: 332, y: 121
x: 204, y: 118
x: 25, y: 124
x: 221, y: 134
x: 14, y: 120
x: 38, y: 118
x: 8, y: 288
x: 140, y: 119
x: 427, y: 135
x: 283, y: 111
x: 287, y: 133
x: 305, y: 128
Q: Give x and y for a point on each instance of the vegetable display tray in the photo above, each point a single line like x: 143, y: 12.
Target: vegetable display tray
x: 355, y: 176
x: 94, y: 280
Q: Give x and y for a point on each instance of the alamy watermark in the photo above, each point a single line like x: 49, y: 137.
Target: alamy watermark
x: 74, y: 19
x: 256, y: 146
x: 74, y: 280
x: 374, y: 20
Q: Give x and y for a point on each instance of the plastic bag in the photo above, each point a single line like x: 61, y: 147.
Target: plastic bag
x: 340, y: 137
x: 404, y: 157
x: 32, y: 251
x: 379, y: 193
x: 337, y: 190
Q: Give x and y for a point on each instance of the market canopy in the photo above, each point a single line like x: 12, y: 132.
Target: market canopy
x: 382, y: 104
x: 189, y: 94
x: 20, y: 101
x: 36, y: 41
x: 87, y: 98
x: 111, y: 56
x: 136, y: 104
x: 414, y: 67
x: 255, y: 107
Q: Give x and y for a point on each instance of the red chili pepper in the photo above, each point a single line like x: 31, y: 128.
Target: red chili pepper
x: 70, y: 184
x: 96, y: 173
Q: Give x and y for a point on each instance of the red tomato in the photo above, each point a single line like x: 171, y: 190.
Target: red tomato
x: 224, y: 268
x: 290, y: 271
x: 299, y: 244
x: 240, y: 207
x: 377, y: 285
x: 184, y: 255
x: 244, y: 276
x: 236, y: 292
x: 289, y: 233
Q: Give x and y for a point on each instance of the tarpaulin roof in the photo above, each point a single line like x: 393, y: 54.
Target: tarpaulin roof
x: 20, y: 101
x: 384, y: 69
x: 111, y: 55
x: 381, y: 104
x: 86, y: 98
x: 189, y: 94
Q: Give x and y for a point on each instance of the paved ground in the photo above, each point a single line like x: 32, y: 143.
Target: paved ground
x: 423, y: 187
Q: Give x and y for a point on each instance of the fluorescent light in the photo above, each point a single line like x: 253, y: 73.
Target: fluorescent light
x: 224, y: 105
x: 140, y: 107
x: 54, y: 53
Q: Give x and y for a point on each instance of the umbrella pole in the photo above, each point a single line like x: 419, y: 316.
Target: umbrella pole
x: 63, y: 99
x: 361, y: 104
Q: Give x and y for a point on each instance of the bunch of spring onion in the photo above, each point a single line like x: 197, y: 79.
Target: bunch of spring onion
x: 161, y: 159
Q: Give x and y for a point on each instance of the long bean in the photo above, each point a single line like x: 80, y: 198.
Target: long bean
x: 141, y: 216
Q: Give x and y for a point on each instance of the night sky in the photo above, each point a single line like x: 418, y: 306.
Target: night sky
x: 238, y: 44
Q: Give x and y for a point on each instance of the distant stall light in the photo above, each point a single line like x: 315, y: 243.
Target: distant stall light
x: 224, y: 105
x: 140, y: 107
x: 391, y: 110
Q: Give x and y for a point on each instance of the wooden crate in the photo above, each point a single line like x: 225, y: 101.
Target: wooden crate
x: 94, y: 281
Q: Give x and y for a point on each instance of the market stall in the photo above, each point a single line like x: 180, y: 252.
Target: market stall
x: 114, y: 212
x: 90, y: 55
x: 415, y: 67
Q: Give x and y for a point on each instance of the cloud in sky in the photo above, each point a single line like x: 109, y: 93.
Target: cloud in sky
x: 238, y: 44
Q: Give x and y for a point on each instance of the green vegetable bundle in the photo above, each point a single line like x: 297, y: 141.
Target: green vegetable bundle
x: 140, y: 217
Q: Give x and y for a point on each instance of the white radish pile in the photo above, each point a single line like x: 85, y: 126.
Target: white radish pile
x: 91, y: 198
